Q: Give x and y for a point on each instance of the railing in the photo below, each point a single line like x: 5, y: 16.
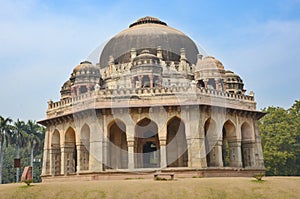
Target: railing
x: 143, y: 92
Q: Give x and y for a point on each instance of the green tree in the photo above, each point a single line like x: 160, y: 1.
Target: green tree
x: 294, y: 112
x: 279, y: 140
x: 19, y: 139
x: 5, y: 132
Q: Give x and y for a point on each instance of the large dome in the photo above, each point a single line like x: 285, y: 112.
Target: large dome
x: 149, y: 33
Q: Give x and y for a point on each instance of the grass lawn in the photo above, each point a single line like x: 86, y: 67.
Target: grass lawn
x: 186, y: 188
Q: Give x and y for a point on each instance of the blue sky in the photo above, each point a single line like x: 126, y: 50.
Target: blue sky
x: 42, y: 41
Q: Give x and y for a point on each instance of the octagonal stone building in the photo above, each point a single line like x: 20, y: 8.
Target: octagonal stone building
x: 152, y: 103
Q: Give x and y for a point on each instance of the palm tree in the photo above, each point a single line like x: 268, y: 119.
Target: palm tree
x: 19, y: 135
x: 5, y: 133
x: 34, y: 132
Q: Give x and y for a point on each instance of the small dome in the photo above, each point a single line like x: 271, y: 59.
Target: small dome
x: 231, y: 77
x: 85, y: 72
x: 211, y: 63
x: 65, y: 91
x: 85, y: 66
x: 145, y: 55
x: 234, y: 84
x: 149, y: 33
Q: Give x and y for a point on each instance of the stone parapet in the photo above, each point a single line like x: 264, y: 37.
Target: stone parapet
x: 165, y: 96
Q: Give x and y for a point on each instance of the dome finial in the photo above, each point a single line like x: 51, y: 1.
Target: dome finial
x: 148, y: 19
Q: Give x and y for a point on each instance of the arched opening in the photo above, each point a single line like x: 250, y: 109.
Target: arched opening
x: 117, y: 147
x: 145, y: 81
x: 70, y: 152
x: 209, y: 132
x: 200, y: 84
x: 85, y: 147
x: 55, y: 150
x: 83, y: 89
x: 135, y: 82
x: 146, y: 144
x: 229, y: 136
x: 247, y: 144
x: 156, y: 81
x: 211, y: 84
x: 177, y: 151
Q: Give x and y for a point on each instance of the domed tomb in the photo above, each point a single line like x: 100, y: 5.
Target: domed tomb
x: 149, y: 33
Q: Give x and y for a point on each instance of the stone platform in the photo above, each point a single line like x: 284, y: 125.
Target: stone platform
x: 148, y: 174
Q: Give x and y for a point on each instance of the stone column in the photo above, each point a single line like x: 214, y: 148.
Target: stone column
x: 132, y: 82
x: 216, y: 84
x: 216, y: 155
x: 203, y: 162
x: 105, y: 153
x: 163, y: 153
x: 235, y: 154
x: 140, y: 77
x: 78, y: 167
x: 130, y: 144
x: 46, y: 153
x: 96, y: 145
x: 63, y: 161
x: 195, y: 148
x: 205, y: 83
x: 52, y: 163
x: 159, y: 81
x: 249, y: 154
x: 258, y: 153
x: 151, y: 81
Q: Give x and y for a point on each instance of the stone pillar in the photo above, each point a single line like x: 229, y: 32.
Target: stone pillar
x: 195, y: 148
x: 130, y: 144
x: 205, y: 83
x: 258, y: 153
x: 52, y: 163
x: 163, y: 153
x: 46, y: 153
x: 203, y: 162
x: 132, y: 82
x: 105, y: 153
x: 96, y: 145
x: 235, y: 154
x: 217, y: 84
x: 63, y: 161
x: 249, y: 154
x: 78, y: 167
x: 140, y: 77
x: 216, y: 155
x: 151, y: 80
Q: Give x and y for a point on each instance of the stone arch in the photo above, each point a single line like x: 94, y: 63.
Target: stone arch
x: 55, y: 142
x: 117, y: 152
x: 84, y: 147
x: 56, y: 153
x: 228, y: 138
x: 248, y: 144
x: 70, y: 151
x: 177, y: 150
x: 211, y: 83
x: 145, y: 81
x: 229, y: 128
x: 247, y: 132
x: 146, y: 144
x: 210, y: 131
